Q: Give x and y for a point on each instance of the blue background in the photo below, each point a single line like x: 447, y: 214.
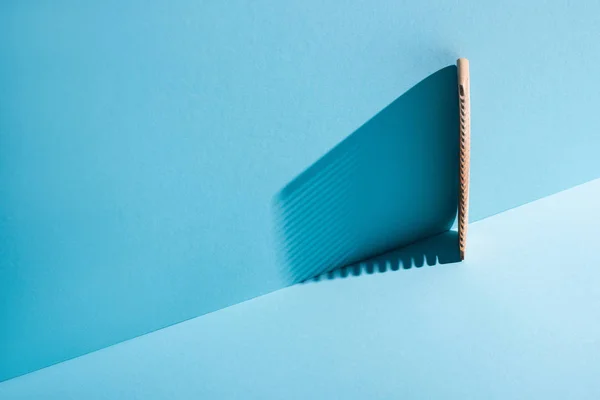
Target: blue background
x: 141, y: 143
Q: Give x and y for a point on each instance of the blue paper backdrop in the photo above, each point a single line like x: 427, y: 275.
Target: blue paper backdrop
x: 141, y: 143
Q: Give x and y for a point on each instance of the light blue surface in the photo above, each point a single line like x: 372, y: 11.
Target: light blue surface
x: 141, y: 143
x: 517, y: 320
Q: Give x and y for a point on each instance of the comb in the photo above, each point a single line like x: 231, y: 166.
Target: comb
x: 464, y: 102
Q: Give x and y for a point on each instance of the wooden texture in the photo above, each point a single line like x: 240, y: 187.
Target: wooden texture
x: 464, y: 99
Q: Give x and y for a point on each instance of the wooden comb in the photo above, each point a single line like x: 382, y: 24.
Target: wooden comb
x: 464, y: 102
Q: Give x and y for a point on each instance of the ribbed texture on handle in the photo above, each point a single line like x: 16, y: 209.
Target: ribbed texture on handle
x: 465, y: 153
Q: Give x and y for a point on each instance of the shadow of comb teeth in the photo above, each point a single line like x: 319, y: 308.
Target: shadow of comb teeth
x: 391, y: 182
x: 436, y: 250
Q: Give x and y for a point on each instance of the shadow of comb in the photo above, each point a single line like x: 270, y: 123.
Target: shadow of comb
x: 391, y: 182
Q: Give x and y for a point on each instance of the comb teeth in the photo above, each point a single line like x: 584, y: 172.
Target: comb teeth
x: 464, y: 155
